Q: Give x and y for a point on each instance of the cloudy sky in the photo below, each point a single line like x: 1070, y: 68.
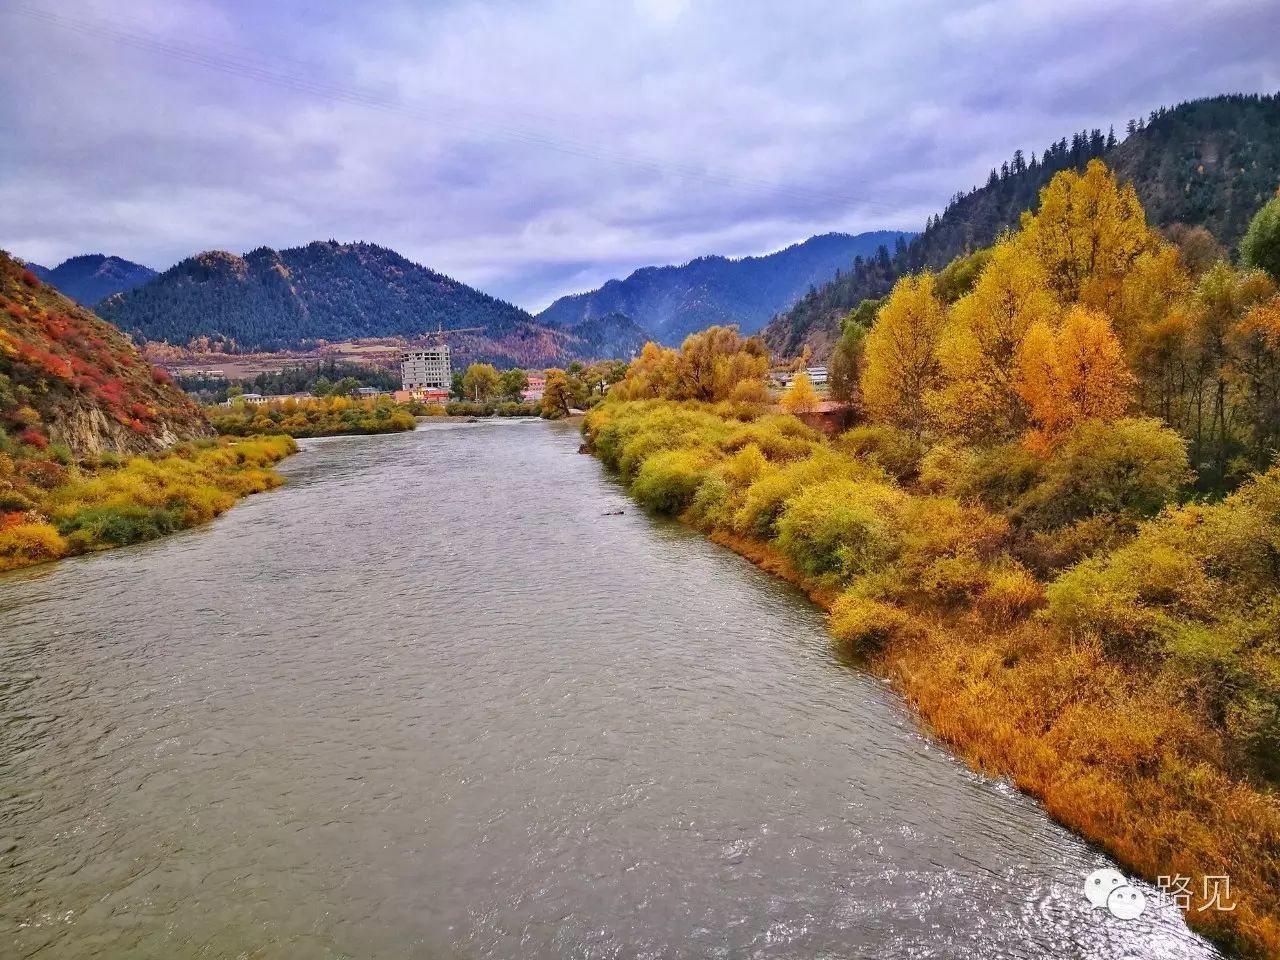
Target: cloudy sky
x: 537, y: 148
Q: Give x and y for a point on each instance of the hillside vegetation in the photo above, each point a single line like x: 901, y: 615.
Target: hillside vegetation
x: 673, y: 302
x: 53, y: 508
x: 1013, y: 534
x: 68, y: 378
x: 1208, y: 163
x: 327, y: 291
x: 99, y: 449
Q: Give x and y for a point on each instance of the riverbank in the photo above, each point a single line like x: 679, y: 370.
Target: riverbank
x: 1020, y: 673
x: 51, y: 509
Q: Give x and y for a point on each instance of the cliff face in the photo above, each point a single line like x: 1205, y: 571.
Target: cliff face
x: 69, y: 377
x: 86, y: 429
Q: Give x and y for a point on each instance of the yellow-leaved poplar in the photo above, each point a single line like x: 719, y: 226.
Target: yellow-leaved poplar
x: 1071, y: 375
x: 800, y: 397
x: 1088, y: 233
x: 901, y: 369
x: 979, y: 347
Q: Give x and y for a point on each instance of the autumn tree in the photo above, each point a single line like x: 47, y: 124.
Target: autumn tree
x: 1087, y: 234
x: 842, y: 367
x: 1198, y: 249
x: 711, y: 363
x: 601, y: 375
x: 345, y: 387
x: 512, y: 384
x: 901, y: 368
x: 557, y: 395
x: 978, y: 352
x: 480, y: 382
x: 1222, y: 298
x: 1071, y: 375
x: 1260, y: 248
x: 651, y: 375
x: 1255, y: 346
x: 800, y: 397
x: 709, y: 367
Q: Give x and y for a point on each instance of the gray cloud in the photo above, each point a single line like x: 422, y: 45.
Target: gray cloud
x: 537, y: 148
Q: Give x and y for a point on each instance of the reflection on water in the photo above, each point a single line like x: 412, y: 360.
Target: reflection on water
x: 426, y: 701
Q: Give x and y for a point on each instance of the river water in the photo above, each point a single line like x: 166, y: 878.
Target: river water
x: 427, y: 700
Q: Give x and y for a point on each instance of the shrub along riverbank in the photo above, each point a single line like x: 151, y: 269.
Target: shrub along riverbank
x: 52, y: 506
x: 1135, y: 693
x: 314, y: 417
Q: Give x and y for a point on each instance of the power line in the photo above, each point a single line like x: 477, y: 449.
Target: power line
x: 245, y: 67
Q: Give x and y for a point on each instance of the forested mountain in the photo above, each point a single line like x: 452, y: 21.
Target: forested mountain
x: 68, y: 377
x: 1207, y: 163
x: 328, y: 291
x: 277, y: 299
x: 614, y: 335
x: 93, y: 277
x: 672, y: 302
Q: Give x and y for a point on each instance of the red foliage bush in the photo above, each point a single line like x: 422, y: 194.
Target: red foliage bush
x: 30, y: 279
x: 161, y: 375
x: 137, y: 426
x: 33, y: 437
x: 43, y: 473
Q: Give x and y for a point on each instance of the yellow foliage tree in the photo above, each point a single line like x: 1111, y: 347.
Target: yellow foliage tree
x: 1087, y: 234
x: 1255, y: 345
x: 713, y: 362
x: 480, y: 382
x: 651, y: 375
x: 710, y: 366
x: 978, y: 352
x: 901, y: 368
x: 800, y: 396
x: 1072, y: 375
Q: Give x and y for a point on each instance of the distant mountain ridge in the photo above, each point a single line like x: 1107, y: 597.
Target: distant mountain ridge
x: 92, y: 277
x: 1210, y: 163
x: 270, y: 300
x: 673, y: 301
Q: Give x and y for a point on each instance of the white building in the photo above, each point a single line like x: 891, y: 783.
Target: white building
x: 426, y: 368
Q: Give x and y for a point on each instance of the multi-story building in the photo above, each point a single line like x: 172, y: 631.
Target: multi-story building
x: 428, y: 367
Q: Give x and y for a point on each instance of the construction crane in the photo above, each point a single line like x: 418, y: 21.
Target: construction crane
x: 441, y: 331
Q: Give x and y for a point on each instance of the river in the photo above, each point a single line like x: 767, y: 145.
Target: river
x: 428, y: 700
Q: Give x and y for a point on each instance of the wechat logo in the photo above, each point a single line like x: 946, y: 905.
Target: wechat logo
x: 1107, y: 888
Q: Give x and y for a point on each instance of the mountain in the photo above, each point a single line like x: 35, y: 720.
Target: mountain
x: 92, y: 277
x: 1207, y: 163
x: 279, y: 299
x: 67, y: 376
x: 614, y: 335
x: 271, y: 300
x: 672, y: 302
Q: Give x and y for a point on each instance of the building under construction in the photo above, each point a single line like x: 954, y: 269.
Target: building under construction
x: 428, y: 367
